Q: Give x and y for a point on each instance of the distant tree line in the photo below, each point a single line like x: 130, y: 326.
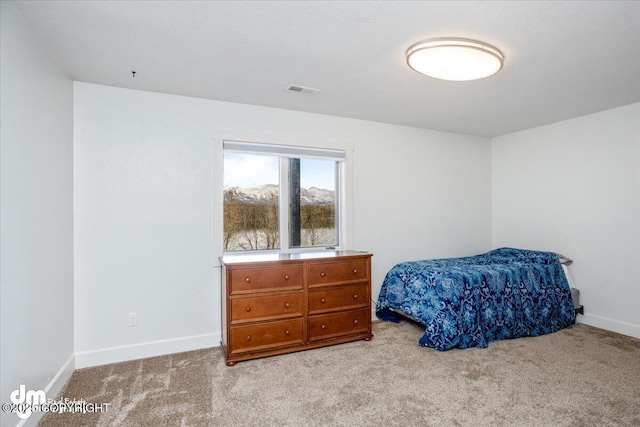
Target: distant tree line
x: 251, y: 226
x: 314, y: 218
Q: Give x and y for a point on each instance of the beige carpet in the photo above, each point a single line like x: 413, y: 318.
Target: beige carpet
x: 576, y: 377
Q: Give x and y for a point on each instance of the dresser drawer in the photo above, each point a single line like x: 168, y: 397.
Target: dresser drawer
x: 266, y: 307
x: 338, y: 298
x: 332, y: 325
x: 262, y: 279
x: 265, y: 336
x: 323, y: 273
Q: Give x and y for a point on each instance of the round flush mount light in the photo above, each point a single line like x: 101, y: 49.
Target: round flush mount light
x: 454, y: 59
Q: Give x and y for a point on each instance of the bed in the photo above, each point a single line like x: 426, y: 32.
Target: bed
x: 469, y: 302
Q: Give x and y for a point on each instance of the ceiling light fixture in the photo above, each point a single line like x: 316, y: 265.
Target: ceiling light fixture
x: 454, y: 59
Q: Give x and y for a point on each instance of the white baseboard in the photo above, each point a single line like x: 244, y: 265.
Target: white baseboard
x: 52, y: 389
x: 623, y: 328
x: 85, y: 359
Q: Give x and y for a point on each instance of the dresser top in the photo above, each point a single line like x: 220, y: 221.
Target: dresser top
x: 294, y: 256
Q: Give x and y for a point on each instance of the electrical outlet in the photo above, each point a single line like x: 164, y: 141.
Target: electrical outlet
x: 133, y: 319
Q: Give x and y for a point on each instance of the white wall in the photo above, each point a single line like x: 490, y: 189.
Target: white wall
x: 574, y: 187
x: 144, y: 208
x: 36, y: 215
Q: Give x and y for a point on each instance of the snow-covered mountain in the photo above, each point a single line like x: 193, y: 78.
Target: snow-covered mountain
x: 268, y: 192
x: 317, y: 196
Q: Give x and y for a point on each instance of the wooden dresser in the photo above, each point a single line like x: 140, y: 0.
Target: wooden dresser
x: 281, y: 303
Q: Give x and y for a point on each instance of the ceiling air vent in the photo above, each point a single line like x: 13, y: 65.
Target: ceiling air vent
x: 302, y: 89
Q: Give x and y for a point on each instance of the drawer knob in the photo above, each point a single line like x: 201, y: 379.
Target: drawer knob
x: 286, y: 277
x: 355, y: 271
x: 287, y: 305
x: 355, y: 321
x: 248, y: 337
x: 247, y: 280
x: 287, y: 333
x: 248, y: 309
x: 323, y: 326
x: 322, y: 300
x: 322, y: 274
x: 355, y: 296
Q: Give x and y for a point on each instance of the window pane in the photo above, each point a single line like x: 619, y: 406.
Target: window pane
x: 251, y: 200
x: 313, y: 202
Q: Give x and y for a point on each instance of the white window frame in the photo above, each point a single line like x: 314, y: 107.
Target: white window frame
x: 344, y: 194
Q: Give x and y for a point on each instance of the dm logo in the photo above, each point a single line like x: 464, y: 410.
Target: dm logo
x: 25, y: 400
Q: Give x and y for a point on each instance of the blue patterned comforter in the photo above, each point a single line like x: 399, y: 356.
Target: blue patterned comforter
x: 472, y: 301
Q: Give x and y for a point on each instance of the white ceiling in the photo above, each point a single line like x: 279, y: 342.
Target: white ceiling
x: 562, y: 59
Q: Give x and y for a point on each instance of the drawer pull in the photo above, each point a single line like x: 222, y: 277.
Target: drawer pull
x: 355, y: 296
x: 322, y: 274
x: 248, y: 337
x: 355, y: 271
x: 287, y: 305
x: 322, y: 300
x: 248, y: 309
x: 323, y: 326
x: 286, y: 277
x: 247, y: 280
x: 287, y: 333
x: 355, y: 321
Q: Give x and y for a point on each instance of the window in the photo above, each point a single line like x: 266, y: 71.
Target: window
x: 280, y: 197
x: 251, y: 202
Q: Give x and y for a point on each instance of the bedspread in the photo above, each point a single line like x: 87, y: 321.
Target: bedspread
x: 472, y: 301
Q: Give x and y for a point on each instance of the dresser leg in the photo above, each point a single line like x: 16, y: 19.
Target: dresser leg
x: 231, y: 363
